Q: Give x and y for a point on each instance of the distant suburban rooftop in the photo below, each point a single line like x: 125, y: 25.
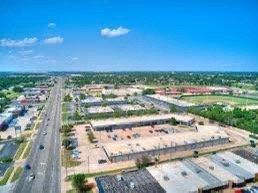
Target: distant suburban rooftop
x: 129, y: 107
x: 106, y: 122
x: 91, y: 100
x: 99, y: 109
x: 171, y: 100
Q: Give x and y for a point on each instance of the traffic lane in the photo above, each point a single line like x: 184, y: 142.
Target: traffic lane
x: 34, y: 152
x: 45, y: 158
x: 51, y: 183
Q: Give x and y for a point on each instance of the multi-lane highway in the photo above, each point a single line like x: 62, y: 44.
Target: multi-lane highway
x: 45, y: 163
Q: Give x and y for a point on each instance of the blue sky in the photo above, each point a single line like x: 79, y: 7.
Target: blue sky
x: 135, y: 35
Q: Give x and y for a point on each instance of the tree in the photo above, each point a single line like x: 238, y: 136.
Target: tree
x: 148, y: 91
x: 78, y: 182
x: 82, y: 96
x: 91, y: 136
x: 18, y: 89
x: 173, y: 108
x: 66, y: 142
x: 143, y: 162
x: 173, y: 121
x: 68, y: 98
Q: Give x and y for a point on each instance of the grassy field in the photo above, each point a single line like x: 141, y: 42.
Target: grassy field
x: 224, y: 99
x: 67, y: 160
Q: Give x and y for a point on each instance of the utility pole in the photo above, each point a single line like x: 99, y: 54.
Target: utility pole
x: 88, y: 164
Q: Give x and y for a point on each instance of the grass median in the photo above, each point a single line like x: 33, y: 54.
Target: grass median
x: 20, y: 150
x: 6, y: 176
x: 16, y: 174
x: 27, y: 151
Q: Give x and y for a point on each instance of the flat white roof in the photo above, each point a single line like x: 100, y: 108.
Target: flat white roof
x: 204, y: 133
x: 243, y: 163
x: 129, y: 107
x: 171, y: 100
x: 91, y: 100
x: 115, y: 99
x: 107, y: 122
x: 99, y: 109
x: 216, y: 170
x: 175, y: 177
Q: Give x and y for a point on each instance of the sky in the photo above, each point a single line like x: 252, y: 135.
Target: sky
x: 128, y: 35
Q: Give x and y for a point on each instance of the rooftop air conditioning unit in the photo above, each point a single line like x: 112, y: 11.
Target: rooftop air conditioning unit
x: 166, y: 178
x: 132, y: 185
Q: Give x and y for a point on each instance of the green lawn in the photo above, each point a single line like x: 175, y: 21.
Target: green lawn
x: 67, y: 160
x: 224, y: 99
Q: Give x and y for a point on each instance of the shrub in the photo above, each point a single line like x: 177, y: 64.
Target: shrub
x: 143, y: 162
x: 78, y: 182
x: 66, y: 143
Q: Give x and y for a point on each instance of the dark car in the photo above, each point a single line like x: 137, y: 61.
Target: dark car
x: 27, y: 167
x: 41, y: 147
x: 102, y: 161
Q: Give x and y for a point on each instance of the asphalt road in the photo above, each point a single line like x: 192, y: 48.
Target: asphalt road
x: 45, y: 164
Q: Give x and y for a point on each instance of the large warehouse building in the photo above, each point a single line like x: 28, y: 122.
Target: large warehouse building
x: 160, y: 145
x: 139, y: 121
x: 167, y: 101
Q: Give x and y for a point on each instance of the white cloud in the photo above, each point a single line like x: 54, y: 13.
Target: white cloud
x: 18, y: 43
x: 75, y: 58
x: 38, y: 56
x: 54, y: 40
x: 51, y: 25
x: 25, y: 52
x: 110, y: 33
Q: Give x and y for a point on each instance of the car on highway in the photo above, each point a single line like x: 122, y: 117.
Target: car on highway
x: 31, y: 177
x: 27, y: 167
x: 41, y: 147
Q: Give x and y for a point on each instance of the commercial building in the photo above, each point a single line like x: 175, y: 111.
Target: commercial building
x: 99, y: 110
x: 97, y: 101
x: 232, y: 167
x: 248, y: 154
x: 175, y: 177
x: 137, y: 181
x: 241, y: 162
x: 129, y: 107
x: 139, y: 121
x: 166, y: 144
x: 116, y: 101
x: 167, y: 101
x: 92, y: 101
x: 122, y: 91
x: 225, y: 176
